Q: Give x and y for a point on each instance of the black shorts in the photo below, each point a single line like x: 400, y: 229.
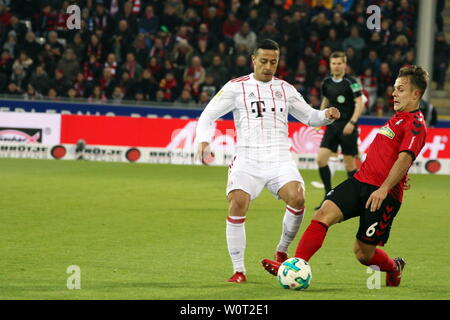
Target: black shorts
x: 334, y: 137
x: 374, y: 227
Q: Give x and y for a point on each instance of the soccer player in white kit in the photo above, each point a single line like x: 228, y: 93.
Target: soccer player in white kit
x: 260, y: 104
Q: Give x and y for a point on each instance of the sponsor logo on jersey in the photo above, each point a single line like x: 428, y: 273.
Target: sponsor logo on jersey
x: 386, y: 131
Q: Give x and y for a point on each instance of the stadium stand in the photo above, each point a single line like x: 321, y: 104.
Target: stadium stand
x: 182, y: 51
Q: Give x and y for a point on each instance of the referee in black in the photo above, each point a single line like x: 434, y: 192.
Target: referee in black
x: 345, y: 93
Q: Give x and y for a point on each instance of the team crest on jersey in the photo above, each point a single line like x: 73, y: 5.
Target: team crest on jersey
x: 278, y: 94
x: 341, y: 99
x: 386, y: 131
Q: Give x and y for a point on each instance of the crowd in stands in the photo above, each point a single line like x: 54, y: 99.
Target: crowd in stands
x: 183, y: 51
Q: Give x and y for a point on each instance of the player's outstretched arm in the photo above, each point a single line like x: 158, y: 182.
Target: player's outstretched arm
x: 220, y: 104
x: 397, y: 172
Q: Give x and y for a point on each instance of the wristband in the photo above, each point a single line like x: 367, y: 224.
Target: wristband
x: 353, y: 122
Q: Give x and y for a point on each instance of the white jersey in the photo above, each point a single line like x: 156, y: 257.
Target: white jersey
x: 260, y: 112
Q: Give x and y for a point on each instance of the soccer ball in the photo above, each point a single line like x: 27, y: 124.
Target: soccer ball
x: 294, y: 273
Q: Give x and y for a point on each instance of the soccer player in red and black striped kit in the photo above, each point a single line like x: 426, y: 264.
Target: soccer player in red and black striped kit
x: 375, y: 192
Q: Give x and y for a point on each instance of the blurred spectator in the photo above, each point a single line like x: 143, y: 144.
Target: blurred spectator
x: 117, y: 95
x: 31, y: 46
x: 185, y: 97
x: 148, y: 23
x: 31, y: 93
x: 320, y: 24
x: 371, y: 61
x: 129, y: 17
x: 282, y: 70
x: 240, y: 67
x: 247, y: 37
x: 13, y: 89
x: 80, y: 85
x: 53, y: 46
x: 269, y: 31
x: 131, y: 66
x: 18, y: 77
x: 369, y: 83
x: 111, y: 63
x: 203, y: 99
x: 169, y: 86
x: 385, y: 78
x: 380, y: 107
x: 6, y: 62
x: 195, y: 72
x: 333, y: 41
x: 92, y: 69
x: 107, y: 83
x: 25, y: 61
x: 230, y: 27
x: 354, y: 41
x: 155, y: 68
x: 69, y: 65
x: 52, y: 94
x: 158, y: 50
x: 203, y: 52
x: 170, y: 19
x: 101, y: 19
x: 313, y: 42
x: 11, y: 43
x: 218, y: 70
x: 140, y: 50
x: 300, y: 78
x: 214, y: 22
x: 60, y: 83
x: 72, y: 94
x: 339, y: 24
x: 148, y: 85
x: 255, y: 22
x: 97, y: 96
x: 18, y: 27
x: 441, y: 60
x: 209, y: 85
x: 95, y: 47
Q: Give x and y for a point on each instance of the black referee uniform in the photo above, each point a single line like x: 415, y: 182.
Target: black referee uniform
x: 341, y: 94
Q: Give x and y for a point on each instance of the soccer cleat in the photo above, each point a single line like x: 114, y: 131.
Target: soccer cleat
x: 238, y: 277
x: 281, y: 256
x: 271, y: 266
x: 393, y: 278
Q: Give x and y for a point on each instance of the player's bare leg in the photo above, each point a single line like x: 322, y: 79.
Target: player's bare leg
x: 239, y: 202
x: 350, y: 165
x: 313, y: 237
x: 293, y: 194
x: 370, y: 255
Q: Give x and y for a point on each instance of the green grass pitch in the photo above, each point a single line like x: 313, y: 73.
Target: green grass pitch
x: 142, y: 231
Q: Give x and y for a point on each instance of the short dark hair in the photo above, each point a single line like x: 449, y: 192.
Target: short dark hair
x: 267, y: 44
x: 339, y: 54
x: 418, y: 76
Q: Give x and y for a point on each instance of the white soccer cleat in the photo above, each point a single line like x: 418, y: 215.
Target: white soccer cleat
x: 317, y: 184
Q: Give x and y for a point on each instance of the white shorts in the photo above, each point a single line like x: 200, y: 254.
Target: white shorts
x: 252, y: 178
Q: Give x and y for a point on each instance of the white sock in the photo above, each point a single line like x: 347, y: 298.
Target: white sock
x: 236, y: 241
x: 291, y: 224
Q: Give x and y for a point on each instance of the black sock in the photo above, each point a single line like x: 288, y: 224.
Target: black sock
x: 325, y: 175
x: 351, y: 173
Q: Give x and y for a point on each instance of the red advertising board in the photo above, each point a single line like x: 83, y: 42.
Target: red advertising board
x: 180, y: 134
